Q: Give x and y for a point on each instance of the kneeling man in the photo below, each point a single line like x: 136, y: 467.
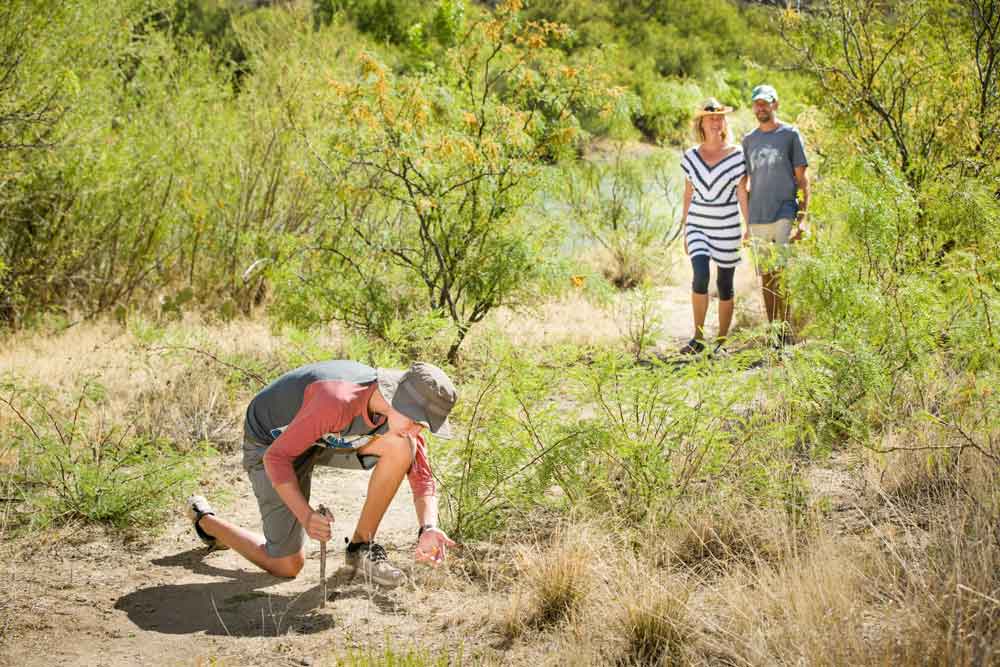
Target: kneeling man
x: 342, y: 414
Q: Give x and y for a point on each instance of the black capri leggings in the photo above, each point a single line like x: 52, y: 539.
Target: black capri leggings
x: 723, y: 278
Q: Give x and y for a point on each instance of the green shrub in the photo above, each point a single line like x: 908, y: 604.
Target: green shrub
x: 428, y: 179
x: 211, y: 22
x: 76, y: 467
x: 509, y: 454
x: 619, y: 208
x: 667, y: 107
x: 655, y: 431
x: 662, y: 52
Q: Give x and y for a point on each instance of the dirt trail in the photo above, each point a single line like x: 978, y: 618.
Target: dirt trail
x: 675, y: 303
x: 172, y: 604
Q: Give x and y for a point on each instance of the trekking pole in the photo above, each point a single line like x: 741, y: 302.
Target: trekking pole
x: 322, y: 559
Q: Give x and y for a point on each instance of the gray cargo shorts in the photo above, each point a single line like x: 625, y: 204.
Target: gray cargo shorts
x: 282, y: 531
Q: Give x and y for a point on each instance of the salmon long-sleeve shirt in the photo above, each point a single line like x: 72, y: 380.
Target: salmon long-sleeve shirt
x: 316, y: 399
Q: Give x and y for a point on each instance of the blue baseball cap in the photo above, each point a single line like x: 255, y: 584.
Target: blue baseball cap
x: 764, y: 92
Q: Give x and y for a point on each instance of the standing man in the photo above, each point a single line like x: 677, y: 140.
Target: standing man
x: 776, y: 168
x: 342, y: 414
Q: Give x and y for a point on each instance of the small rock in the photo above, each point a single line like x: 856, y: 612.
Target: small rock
x: 306, y: 661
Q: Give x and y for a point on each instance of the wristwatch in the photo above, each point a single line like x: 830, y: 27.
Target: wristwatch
x: 424, y: 528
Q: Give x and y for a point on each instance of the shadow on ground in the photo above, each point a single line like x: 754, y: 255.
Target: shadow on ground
x: 239, y: 607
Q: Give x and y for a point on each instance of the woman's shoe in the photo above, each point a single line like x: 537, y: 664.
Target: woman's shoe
x: 693, y: 346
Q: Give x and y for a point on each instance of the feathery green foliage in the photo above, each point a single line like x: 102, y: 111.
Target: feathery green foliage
x: 429, y: 177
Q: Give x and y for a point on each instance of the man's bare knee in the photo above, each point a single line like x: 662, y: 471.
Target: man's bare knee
x: 399, y: 449
x: 288, y: 567
x: 394, y: 451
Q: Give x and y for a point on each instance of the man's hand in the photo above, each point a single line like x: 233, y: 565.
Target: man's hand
x: 432, y: 546
x: 319, y: 527
x: 798, y: 227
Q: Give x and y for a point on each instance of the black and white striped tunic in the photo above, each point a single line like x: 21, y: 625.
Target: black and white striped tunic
x: 713, y: 221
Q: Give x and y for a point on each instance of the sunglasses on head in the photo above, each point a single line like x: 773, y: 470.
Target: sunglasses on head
x: 712, y: 107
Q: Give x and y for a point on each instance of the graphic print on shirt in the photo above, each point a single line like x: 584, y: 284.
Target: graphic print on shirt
x: 764, y: 157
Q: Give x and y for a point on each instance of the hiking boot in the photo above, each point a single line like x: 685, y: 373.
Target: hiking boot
x: 372, y: 561
x: 693, y: 346
x: 197, y: 507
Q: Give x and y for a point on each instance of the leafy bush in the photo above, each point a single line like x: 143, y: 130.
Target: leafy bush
x: 667, y: 106
x: 132, y: 198
x: 661, y: 52
x: 428, y: 179
x: 647, y: 442
x: 385, y: 20
x: 896, y: 323
x: 78, y: 468
x: 892, y: 73
x: 160, y: 181
x: 508, y: 458
x: 640, y: 323
x: 615, y: 439
x: 212, y: 23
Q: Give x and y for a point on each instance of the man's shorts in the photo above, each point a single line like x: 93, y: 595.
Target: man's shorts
x: 283, y: 532
x: 769, y: 245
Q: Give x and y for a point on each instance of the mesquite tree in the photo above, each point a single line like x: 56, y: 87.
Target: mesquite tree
x: 429, y: 177
x: 919, y: 80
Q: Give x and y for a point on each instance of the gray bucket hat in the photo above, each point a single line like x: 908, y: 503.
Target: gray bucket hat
x: 423, y: 393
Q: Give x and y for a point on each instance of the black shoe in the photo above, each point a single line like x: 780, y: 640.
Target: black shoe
x: 197, y: 507
x: 693, y: 346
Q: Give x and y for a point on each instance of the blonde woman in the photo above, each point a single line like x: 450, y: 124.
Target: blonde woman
x: 710, y: 213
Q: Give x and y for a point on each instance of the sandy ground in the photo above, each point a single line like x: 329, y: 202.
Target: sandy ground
x: 675, y: 304
x: 88, y: 602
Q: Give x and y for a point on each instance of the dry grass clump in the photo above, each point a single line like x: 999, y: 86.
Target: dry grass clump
x: 897, y: 595
x: 954, y: 588
x: 635, y: 614
x: 553, y: 580
x: 652, y: 621
x: 946, y: 558
x: 712, y: 539
x: 807, y: 609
